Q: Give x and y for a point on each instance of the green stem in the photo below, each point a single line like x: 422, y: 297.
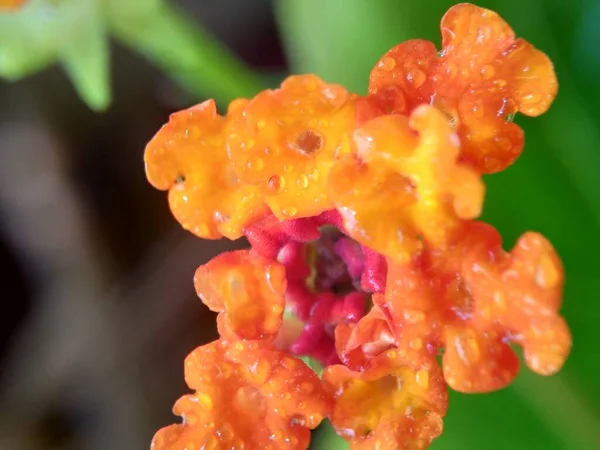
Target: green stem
x: 172, y: 41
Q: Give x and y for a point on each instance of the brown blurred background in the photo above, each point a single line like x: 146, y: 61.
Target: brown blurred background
x: 98, y: 303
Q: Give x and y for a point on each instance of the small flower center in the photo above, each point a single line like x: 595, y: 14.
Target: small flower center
x: 309, y: 141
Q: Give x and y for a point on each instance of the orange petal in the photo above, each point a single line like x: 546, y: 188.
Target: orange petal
x: 477, y: 362
x: 248, y: 395
x: 287, y: 139
x: 488, y: 141
x: 423, y: 150
x: 523, y: 293
x: 373, y: 202
x: 401, y: 78
x: 357, y: 345
x: 249, y: 288
x: 472, y: 37
x: 367, y: 403
x: 532, y: 80
x: 188, y: 157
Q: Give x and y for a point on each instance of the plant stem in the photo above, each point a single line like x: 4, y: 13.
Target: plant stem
x: 171, y: 40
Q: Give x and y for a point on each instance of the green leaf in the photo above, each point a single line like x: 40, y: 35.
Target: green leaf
x: 172, y: 41
x: 325, y: 438
x: 313, y: 364
x: 27, y: 39
x: 85, y: 54
x: 75, y: 33
x: 69, y: 31
x: 120, y: 10
x: 553, y: 188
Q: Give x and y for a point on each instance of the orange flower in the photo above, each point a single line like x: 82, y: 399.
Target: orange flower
x: 287, y: 139
x: 482, y: 75
x: 388, y: 406
x: 404, y: 184
x: 247, y: 396
x: 398, y: 172
x: 247, y: 290
x: 188, y: 157
x: 473, y: 301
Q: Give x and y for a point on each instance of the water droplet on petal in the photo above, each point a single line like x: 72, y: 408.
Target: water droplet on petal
x: 387, y: 63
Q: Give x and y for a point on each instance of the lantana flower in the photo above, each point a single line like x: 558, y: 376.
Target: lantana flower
x: 366, y: 257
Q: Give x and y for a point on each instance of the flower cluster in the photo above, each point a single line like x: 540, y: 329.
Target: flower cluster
x: 366, y: 254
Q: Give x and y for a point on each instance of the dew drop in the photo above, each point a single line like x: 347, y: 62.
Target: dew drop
x: 387, y: 64
x: 219, y: 217
x: 190, y: 419
x: 302, y: 181
x: 487, y: 72
x: 205, y: 401
x: 255, y: 163
x: 451, y: 70
x: 306, y: 388
x: 416, y: 77
x: 413, y: 316
x: 289, y: 212
x: 422, y: 378
x: 251, y: 400
x: 276, y: 183
x: 416, y: 344
x: 503, y: 143
x: 533, y: 97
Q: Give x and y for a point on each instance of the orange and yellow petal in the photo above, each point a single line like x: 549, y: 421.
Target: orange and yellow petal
x: 425, y: 149
x: 483, y: 46
x: 492, y: 75
x: 473, y: 301
x: 358, y: 344
x: 188, y: 157
x: 248, y: 288
x: 533, y: 84
x: 247, y: 396
x: 489, y: 142
x: 473, y: 39
x: 387, y: 406
x: 482, y: 75
x: 524, y: 294
x: 478, y: 362
x: 287, y: 139
x: 405, y: 184
x: 418, y: 311
x: 374, y: 201
x: 401, y: 79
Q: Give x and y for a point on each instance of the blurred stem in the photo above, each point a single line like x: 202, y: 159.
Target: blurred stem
x: 171, y: 40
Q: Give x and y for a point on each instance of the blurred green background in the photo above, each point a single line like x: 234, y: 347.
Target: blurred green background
x: 554, y: 188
